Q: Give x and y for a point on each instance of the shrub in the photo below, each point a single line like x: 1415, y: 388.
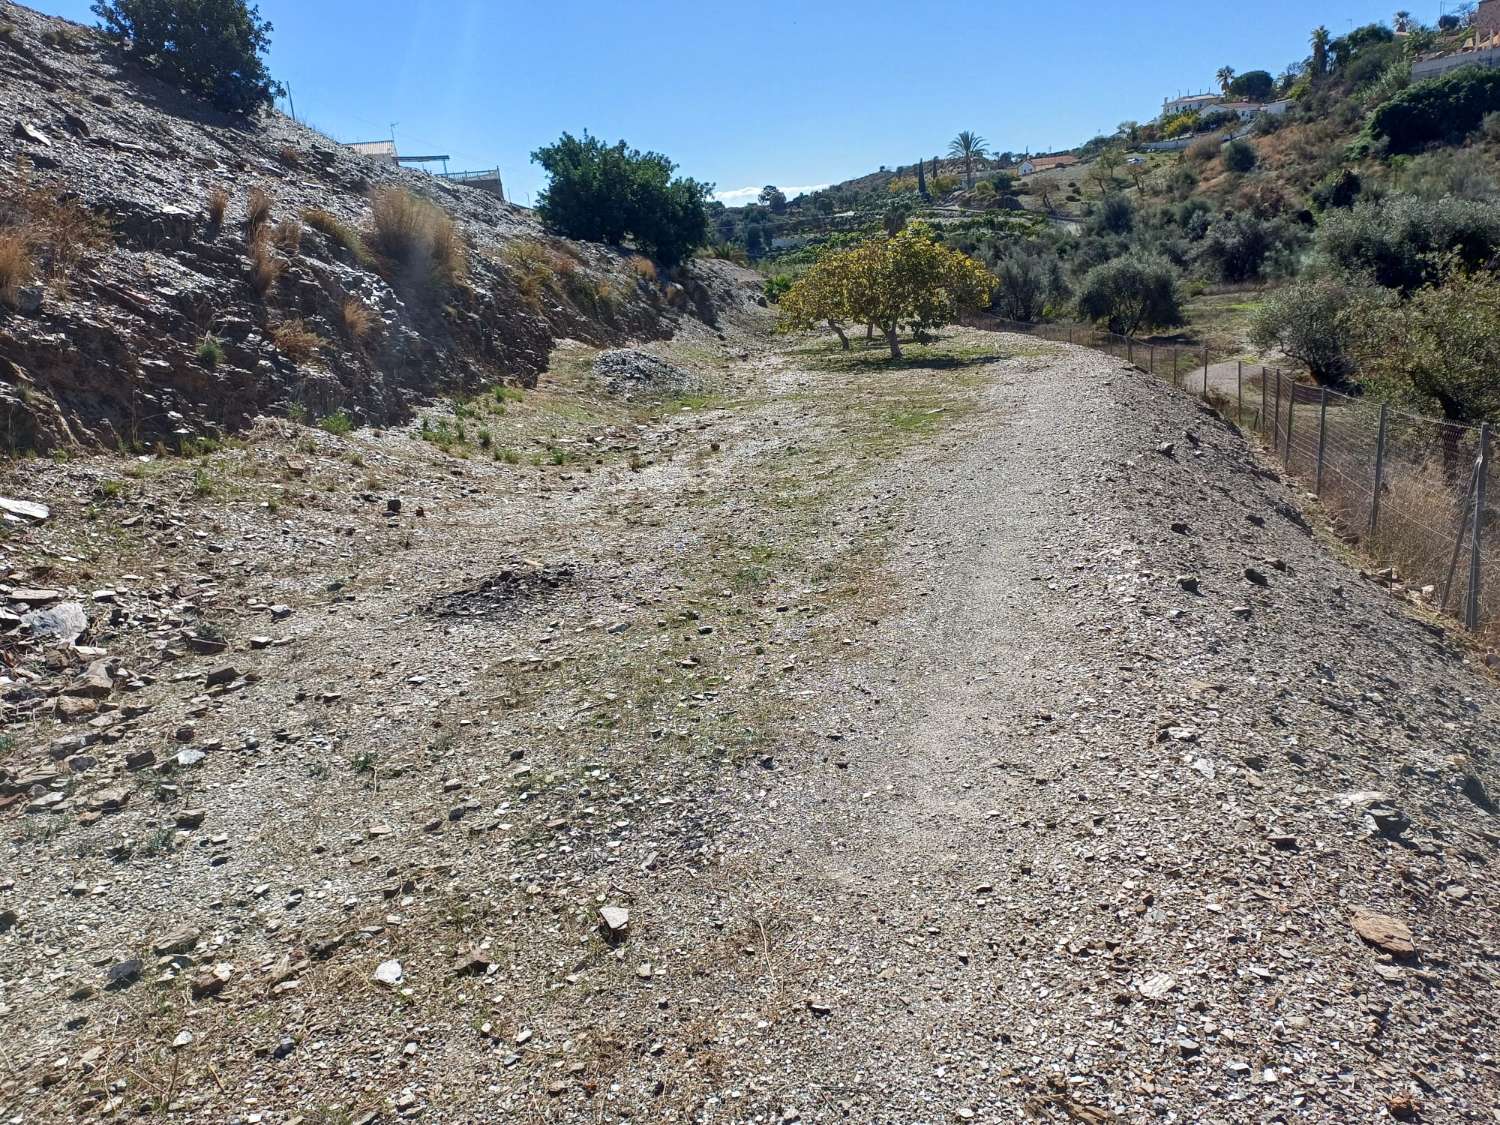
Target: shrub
x: 943, y: 184
x: 1309, y: 322
x: 218, y: 206
x: 338, y: 423
x: 1338, y: 190
x: 643, y: 268
x: 901, y: 185
x: 265, y: 267
x: 210, y: 352
x: 1240, y: 156
x: 1238, y: 247
x: 357, y: 318
x: 1201, y: 151
x: 15, y: 266
x: 289, y: 156
x: 1028, y: 283
x: 257, y: 210
x: 604, y: 193
x: 213, y: 48
x: 776, y: 287
x: 295, y: 341
x: 1393, y: 241
x: 1443, y: 109
x: 1131, y: 293
x: 1114, y: 215
x: 415, y: 237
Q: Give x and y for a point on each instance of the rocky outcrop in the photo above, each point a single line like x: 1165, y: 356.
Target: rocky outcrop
x: 108, y: 347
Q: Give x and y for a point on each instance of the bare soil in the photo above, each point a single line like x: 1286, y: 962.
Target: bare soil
x: 925, y: 720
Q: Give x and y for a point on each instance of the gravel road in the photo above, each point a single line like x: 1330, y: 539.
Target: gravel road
x: 989, y: 738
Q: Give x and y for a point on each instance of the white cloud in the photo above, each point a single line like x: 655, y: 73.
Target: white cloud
x: 741, y: 196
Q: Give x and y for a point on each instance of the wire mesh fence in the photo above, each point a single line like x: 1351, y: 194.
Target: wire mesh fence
x: 1411, y: 491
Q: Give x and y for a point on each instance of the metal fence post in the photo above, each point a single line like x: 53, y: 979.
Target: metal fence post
x: 1176, y: 355
x: 1239, y: 391
x: 1276, y: 423
x: 1070, y: 333
x: 1379, y: 471
x: 1476, y: 536
x: 1322, y: 438
x: 1205, y: 372
x: 1291, y: 411
x: 1129, y: 350
x: 1151, y: 359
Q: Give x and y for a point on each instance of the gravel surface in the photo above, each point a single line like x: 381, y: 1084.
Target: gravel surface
x: 987, y: 737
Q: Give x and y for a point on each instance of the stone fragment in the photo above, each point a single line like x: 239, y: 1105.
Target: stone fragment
x: 390, y: 974
x: 1384, y: 932
x: 614, y: 921
x: 122, y: 974
x: 65, y: 622
x: 24, y: 509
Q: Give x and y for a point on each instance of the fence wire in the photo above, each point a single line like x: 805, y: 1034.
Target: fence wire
x: 1412, y: 491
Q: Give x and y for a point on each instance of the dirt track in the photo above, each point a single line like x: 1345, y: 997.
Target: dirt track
x: 873, y: 696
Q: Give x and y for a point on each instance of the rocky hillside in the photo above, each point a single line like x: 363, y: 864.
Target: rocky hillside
x: 188, y: 272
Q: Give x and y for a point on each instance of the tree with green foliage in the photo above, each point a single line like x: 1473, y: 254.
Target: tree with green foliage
x: 773, y: 197
x: 1253, y: 86
x: 908, y: 279
x: 603, y: 193
x: 1130, y: 293
x: 1225, y: 77
x: 1309, y: 321
x: 1321, y: 40
x: 214, y: 49
x: 1438, y: 351
x: 968, y: 147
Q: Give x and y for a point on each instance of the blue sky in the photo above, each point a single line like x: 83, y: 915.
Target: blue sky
x: 744, y: 95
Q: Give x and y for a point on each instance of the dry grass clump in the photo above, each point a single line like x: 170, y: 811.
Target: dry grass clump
x: 288, y: 236
x: 329, y: 225
x: 266, y: 267
x: 416, y: 237
x: 296, y: 341
x: 51, y: 231
x: 643, y: 268
x: 357, y: 317
x: 257, y: 210
x: 15, y: 266
x: 289, y: 156
x: 218, y: 206
x: 535, y: 267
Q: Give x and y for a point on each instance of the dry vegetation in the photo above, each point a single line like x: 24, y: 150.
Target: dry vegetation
x: 266, y: 267
x: 288, y: 236
x: 45, y: 234
x: 15, y: 266
x: 415, y: 238
x: 257, y: 210
x: 335, y: 230
x: 296, y: 341
x: 218, y: 206
x: 358, y: 319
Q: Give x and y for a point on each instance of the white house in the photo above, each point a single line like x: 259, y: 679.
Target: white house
x: 1191, y: 103
x: 1036, y: 164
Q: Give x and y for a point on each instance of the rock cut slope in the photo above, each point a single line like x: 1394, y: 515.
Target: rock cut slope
x: 111, y: 176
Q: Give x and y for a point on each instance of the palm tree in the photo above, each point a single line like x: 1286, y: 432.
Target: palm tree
x: 1403, y: 21
x: 1320, y: 41
x: 968, y: 147
x: 1225, y: 77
